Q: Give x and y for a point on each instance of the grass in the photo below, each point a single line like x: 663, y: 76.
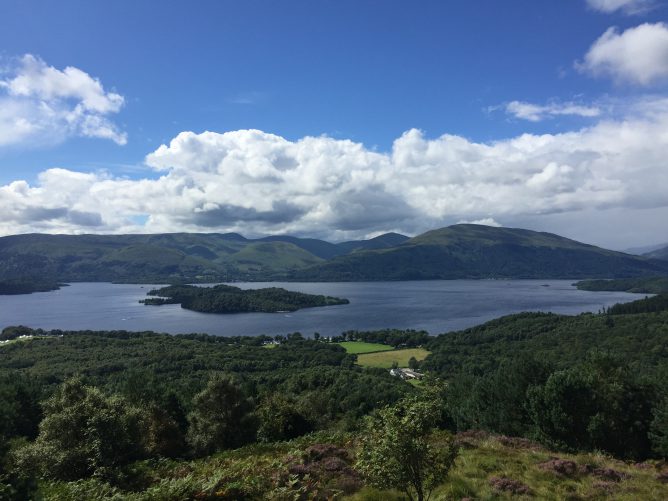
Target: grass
x: 482, y: 459
x: 357, y: 347
x: 261, y: 471
x: 385, y: 359
x: 490, y: 457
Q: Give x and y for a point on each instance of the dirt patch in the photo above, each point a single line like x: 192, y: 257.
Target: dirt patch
x: 505, y: 484
x: 606, y: 487
x: 327, y: 469
x: 609, y: 474
x: 470, y: 438
x: 560, y: 467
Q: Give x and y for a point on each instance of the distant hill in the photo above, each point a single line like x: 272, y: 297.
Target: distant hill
x: 159, y: 258
x: 646, y: 249
x: 477, y: 251
x: 319, y: 248
x: 658, y: 254
x: 380, y: 242
x: 459, y: 251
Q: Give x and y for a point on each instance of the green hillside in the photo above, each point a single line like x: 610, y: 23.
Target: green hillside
x: 459, y: 251
x: 162, y: 257
x: 384, y: 241
x: 476, y: 251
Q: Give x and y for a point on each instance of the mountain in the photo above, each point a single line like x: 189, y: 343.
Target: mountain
x: 658, y: 254
x: 320, y: 248
x: 477, y: 251
x: 159, y: 258
x: 646, y: 249
x: 380, y: 242
x: 459, y: 251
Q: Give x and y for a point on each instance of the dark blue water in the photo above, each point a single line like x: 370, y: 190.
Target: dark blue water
x: 435, y: 306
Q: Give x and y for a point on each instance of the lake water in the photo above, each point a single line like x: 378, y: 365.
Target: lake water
x: 436, y: 306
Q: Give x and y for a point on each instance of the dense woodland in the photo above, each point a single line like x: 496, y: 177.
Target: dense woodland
x: 95, y: 405
x: 229, y: 299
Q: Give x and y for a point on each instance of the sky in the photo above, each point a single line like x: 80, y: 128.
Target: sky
x: 335, y: 119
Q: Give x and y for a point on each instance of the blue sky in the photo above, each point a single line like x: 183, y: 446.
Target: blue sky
x: 364, y: 72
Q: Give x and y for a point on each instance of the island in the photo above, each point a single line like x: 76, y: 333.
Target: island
x: 229, y: 299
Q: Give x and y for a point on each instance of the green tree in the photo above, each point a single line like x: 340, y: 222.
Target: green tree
x: 659, y: 429
x: 280, y: 419
x: 220, y: 418
x: 83, y: 432
x: 598, y: 404
x: 413, y: 363
x: 162, y: 436
x: 402, y: 449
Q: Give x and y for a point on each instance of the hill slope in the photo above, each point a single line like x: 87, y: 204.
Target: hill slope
x: 380, y: 242
x: 658, y: 254
x: 160, y: 257
x: 459, y: 251
x: 476, y: 251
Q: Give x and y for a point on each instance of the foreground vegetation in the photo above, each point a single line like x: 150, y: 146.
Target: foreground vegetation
x: 229, y: 299
x: 150, y: 416
x: 487, y: 467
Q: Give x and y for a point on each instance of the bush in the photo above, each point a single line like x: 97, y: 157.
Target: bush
x: 280, y: 419
x: 83, y: 432
x: 401, y: 448
x: 221, y: 417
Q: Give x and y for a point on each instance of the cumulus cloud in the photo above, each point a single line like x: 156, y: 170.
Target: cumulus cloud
x: 536, y: 112
x: 254, y: 182
x: 625, y: 6
x: 40, y: 104
x: 638, y: 55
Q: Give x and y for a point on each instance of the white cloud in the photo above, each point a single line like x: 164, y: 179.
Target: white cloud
x: 626, y: 6
x: 638, y: 55
x: 254, y: 183
x: 537, y: 112
x: 40, y: 104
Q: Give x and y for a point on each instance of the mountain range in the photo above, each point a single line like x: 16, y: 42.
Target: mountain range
x: 458, y: 251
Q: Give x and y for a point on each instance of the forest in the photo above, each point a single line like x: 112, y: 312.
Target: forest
x: 104, y: 414
x: 645, y: 285
x: 13, y: 287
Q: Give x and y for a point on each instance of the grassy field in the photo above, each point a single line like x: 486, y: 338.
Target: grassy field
x: 357, y: 347
x: 385, y: 359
